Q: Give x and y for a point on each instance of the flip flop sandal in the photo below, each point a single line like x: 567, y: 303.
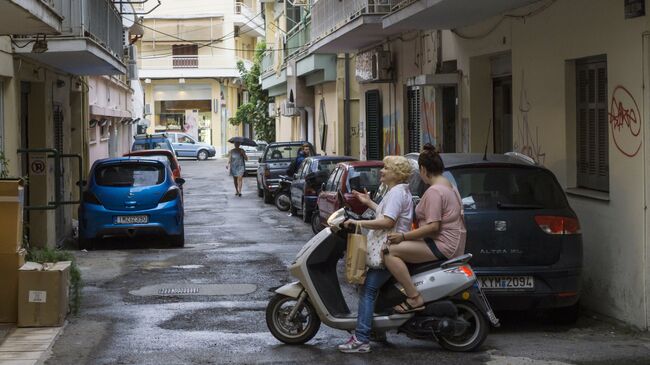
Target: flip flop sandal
x: 405, y: 307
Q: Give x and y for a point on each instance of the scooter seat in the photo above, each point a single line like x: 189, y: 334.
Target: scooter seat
x: 415, y: 269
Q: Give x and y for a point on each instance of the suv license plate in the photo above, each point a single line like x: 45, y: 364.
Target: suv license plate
x: 507, y: 282
x: 132, y: 219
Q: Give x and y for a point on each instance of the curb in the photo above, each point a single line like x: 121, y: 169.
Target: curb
x: 29, y: 346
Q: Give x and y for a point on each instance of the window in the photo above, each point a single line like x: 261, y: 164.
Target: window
x: 331, y: 181
x: 282, y: 152
x: 374, y: 126
x: 92, y: 134
x: 360, y: 178
x: 184, y: 139
x: 414, y: 124
x: 185, y: 56
x: 592, y: 125
x: 305, y: 169
x: 338, y: 179
x: 104, y: 132
x: 131, y: 174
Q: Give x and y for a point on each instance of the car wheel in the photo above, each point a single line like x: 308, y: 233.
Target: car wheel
x: 306, y: 215
x: 283, y: 202
x: 268, y: 197
x: 202, y: 155
x: 315, y: 222
x: 179, y: 240
x: 260, y: 192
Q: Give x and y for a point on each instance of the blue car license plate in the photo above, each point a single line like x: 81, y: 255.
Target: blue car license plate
x: 131, y: 219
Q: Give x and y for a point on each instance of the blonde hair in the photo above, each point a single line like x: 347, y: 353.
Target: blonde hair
x: 399, y: 165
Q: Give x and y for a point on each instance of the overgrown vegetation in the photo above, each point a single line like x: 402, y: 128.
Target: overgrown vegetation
x: 43, y: 255
x: 256, y: 110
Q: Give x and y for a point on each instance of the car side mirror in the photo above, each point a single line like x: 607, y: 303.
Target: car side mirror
x: 179, y: 181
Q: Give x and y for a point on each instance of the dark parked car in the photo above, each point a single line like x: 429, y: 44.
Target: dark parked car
x: 524, y: 236
x: 307, y: 182
x: 347, y: 176
x: 274, y: 162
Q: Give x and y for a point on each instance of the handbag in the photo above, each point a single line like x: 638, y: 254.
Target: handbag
x: 355, y: 258
x: 376, y: 240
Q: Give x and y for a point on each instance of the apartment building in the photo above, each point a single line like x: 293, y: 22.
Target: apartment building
x: 187, y: 60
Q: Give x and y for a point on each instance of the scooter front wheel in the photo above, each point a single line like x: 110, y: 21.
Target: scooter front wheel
x: 293, y: 331
x: 473, y: 336
x: 283, y: 201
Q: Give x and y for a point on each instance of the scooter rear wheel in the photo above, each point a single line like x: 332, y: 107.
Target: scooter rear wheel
x: 302, y: 328
x: 473, y: 337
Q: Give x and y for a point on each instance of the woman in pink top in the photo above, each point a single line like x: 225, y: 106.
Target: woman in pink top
x: 441, y: 233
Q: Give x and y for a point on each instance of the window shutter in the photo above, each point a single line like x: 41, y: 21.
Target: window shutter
x: 592, y: 124
x: 374, y: 127
x: 414, y: 121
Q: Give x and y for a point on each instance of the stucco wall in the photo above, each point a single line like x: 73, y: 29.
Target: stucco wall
x: 543, y: 47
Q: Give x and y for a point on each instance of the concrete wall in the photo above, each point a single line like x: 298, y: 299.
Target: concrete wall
x: 543, y: 49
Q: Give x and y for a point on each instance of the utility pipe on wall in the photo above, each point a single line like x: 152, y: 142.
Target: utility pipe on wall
x: 347, y: 149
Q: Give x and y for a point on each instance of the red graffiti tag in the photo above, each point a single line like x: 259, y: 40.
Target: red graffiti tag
x: 625, y: 121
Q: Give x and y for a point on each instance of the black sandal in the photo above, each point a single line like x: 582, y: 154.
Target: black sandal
x: 405, y: 307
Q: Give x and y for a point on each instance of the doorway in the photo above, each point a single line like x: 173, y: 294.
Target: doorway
x: 502, y: 114
x: 449, y: 115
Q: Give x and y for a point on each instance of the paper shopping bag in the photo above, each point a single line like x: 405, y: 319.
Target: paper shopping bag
x: 355, y: 258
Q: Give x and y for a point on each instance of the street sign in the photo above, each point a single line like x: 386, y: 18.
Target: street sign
x: 37, y: 165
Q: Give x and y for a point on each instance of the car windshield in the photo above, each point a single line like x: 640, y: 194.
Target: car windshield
x: 484, y: 188
x: 282, y: 152
x: 327, y: 166
x: 360, y: 178
x: 130, y: 174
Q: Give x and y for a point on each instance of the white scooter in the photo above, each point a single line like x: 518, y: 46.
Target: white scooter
x: 456, y: 313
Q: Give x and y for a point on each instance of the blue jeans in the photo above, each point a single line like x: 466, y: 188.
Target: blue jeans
x: 375, y: 279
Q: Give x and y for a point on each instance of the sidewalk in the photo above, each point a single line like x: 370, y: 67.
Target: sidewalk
x: 27, y: 346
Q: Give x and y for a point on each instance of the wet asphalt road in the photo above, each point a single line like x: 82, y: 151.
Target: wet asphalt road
x: 246, y: 244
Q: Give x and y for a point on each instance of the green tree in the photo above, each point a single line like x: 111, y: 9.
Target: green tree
x: 256, y: 110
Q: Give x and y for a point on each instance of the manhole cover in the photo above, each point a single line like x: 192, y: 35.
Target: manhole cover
x: 195, y: 289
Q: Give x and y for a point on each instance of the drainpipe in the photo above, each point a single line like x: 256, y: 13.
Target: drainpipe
x: 347, y: 150
x: 645, y: 37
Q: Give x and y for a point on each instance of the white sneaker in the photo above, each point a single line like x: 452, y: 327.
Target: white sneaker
x: 354, y: 346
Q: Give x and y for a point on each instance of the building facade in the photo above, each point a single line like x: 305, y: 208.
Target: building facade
x: 187, y: 60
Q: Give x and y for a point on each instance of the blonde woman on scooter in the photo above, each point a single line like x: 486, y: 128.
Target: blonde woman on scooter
x: 394, y: 212
x: 441, y: 234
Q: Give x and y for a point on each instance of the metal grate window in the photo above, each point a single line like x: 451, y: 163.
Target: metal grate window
x: 592, y: 125
x: 374, y: 127
x: 413, y: 96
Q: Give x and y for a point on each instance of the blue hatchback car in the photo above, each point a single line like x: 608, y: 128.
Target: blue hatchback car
x: 131, y: 196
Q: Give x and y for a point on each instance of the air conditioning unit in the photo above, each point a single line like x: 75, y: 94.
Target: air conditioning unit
x: 272, y: 113
x: 374, y: 66
x: 288, y: 109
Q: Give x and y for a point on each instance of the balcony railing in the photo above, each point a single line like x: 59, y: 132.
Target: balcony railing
x: 185, y: 61
x: 297, y: 38
x: 330, y: 15
x: 97, y: 19
x: 267, y: 62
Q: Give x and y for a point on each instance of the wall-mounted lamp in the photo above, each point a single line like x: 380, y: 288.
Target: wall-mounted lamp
x: 40, y: 45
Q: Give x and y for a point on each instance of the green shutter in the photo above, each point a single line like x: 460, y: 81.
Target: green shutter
x: 374, y: 128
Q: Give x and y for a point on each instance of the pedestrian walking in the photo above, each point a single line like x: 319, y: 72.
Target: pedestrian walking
x: 236, y: 164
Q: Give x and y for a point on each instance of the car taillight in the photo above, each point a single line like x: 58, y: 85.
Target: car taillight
x: 267, y: 172
x: 310, y: 191
x: 170, y: 195
x: 90, y: 198
x: 558, y: 225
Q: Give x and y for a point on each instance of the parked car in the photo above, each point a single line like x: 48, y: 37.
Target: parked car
x: 186, y: 146
x: 156, y: 141
x: 307, y: 182
x: 131, y: 196
x: 171, y: 158
x: 524, y: 236
x: 254, y: 154
x: 346, y: 177
x: 274, y: 162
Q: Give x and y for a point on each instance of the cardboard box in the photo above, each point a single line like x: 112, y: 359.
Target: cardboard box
x: 9, y: 265
x: 43, y: 294
x: 11, y: 216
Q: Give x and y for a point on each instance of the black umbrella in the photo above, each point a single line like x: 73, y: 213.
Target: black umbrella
x: 244, y: 141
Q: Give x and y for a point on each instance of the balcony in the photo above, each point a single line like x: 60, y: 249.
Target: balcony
x: 445, y: 14
x: 90, y: 43
x: 248, y: 21
x: 297, y: 38
x: 345, y: 26
x: 21, y: 17
x: 186, y: 66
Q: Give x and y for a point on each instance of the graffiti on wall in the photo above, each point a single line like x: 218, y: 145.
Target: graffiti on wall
x: 526, y: 141
x: 428, y: 115
x: 392, y: 135
x: 625, y: 122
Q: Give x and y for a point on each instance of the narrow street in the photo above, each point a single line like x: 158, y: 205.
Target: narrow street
x: 236, y: 249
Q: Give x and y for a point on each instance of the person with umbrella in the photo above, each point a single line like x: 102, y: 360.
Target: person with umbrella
x: 236, y: 161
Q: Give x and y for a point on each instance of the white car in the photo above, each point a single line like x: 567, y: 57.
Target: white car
x: 254, y: 154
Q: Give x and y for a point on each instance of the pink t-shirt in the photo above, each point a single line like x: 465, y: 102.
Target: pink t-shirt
x: 442, y: 204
